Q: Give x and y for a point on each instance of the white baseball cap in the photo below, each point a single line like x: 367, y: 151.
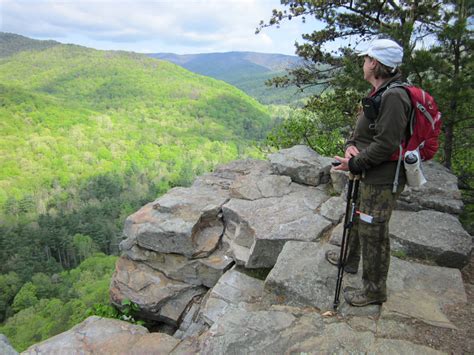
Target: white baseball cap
x: 386, y: 51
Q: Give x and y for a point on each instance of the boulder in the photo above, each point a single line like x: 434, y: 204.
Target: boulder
x: 339, y: 180
x: 440, y: 193
x: 302, y: 277
x: 158, y: 297
x: 223, y: 176
x: 431, y: 235
x: 98, y: 335
x: 302, y: 164
x: 333, y: 209
x: 234, y: 290
x: 184, y: 221
x: 5, y: 346
x: 202, y: 271
x: 422, y: 292
x: 258, y: 229
x: 254, y: 187
x: 336, y: 235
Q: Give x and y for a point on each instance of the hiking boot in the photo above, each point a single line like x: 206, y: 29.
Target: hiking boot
x: 358, y: 298
x: 333, y: 257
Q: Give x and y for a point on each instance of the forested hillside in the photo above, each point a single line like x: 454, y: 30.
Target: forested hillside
x: 246, y: 70
x: 89, y: 136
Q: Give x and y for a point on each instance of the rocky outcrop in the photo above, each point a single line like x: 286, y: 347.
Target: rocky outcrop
x: 105, y: 336
x: 440, y: 193
x: 191, y: 260
x: 431, y: 235
x: 302, y: 164
x: 259, y: 229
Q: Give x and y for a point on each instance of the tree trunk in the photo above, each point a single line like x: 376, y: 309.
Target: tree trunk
x: 448, y: 143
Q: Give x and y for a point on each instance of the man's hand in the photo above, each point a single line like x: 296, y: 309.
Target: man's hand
x: 344, y: 163
x: 351, y: 151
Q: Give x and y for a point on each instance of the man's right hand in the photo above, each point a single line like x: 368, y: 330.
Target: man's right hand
x: 351, y: 151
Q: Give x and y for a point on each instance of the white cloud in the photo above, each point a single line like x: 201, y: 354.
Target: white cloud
x: 165, y: 25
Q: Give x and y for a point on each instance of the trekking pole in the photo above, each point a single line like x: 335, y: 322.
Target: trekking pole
x: 352, y: 191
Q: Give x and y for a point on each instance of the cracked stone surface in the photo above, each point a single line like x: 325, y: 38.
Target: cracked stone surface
x: 233, y: 291
x: 158, y: 297
x: 98, y: 335
x: 202, y: 271
x: 440, y: 193
x: 302, y: 164
x: 185, y: 221
x: 259, y: 229
x: 431, y: 235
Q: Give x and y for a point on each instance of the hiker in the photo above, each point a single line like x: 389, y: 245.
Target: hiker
x: 380, y: 128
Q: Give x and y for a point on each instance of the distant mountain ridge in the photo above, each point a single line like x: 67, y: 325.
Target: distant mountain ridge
x: 11, y: 43
x: 246, y: 70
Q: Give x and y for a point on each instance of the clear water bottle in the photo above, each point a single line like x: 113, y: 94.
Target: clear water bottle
x: 411, y: 158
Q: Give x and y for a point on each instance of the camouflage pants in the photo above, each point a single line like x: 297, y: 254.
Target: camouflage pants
x: 372, y: 239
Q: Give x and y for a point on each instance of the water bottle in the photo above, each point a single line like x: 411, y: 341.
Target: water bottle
x: 411, y: 158
x: 414, y: 174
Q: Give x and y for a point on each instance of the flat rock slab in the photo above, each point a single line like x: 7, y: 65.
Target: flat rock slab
x: 431, y: 235
x: 158, y: 297
x: 277, y: 332
x: 184, y: 221
x: 254, y: 186
x: 333, y: 209
x: 302, y: 277
x: 202, y: 271
x: 302, y: 164
x: 422, y: 291
x: 224, y: 176
x: 234, y: 290
x: 98, y: 335
x: 440, y: 193
x: 258, y: 229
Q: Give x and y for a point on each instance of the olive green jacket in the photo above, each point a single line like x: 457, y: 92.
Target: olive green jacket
x: 377, y: 141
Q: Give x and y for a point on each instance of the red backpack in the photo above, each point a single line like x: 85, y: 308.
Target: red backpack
x: 425, y: 123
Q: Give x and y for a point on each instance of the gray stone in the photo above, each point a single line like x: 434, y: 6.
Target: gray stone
x: 422, y: 292
x: 192, y: 325
x: 233, y: 291
x: 339, y: 338
x: 280, y: 332
x: 256, y: 332
x: 263, y: 226
x: 303, y: 277
x: 339, y: 180
x: 431, y: 235
x: 253, y: 187
x: 203, y: 271
x: 336, y: 235
x: 225, y: 175
x: 158, y: 297
x: 5, y: 346
x: 392, y: 328
x: 302, y: 164
x: 440, y: 193
x: 333, y: 209
x: 98, y: 335
x: 184, y: 221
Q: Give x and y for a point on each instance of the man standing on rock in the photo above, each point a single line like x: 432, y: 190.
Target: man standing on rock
x: 380, y: 128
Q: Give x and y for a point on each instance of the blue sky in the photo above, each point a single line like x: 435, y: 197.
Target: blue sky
x: 179, y: 26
